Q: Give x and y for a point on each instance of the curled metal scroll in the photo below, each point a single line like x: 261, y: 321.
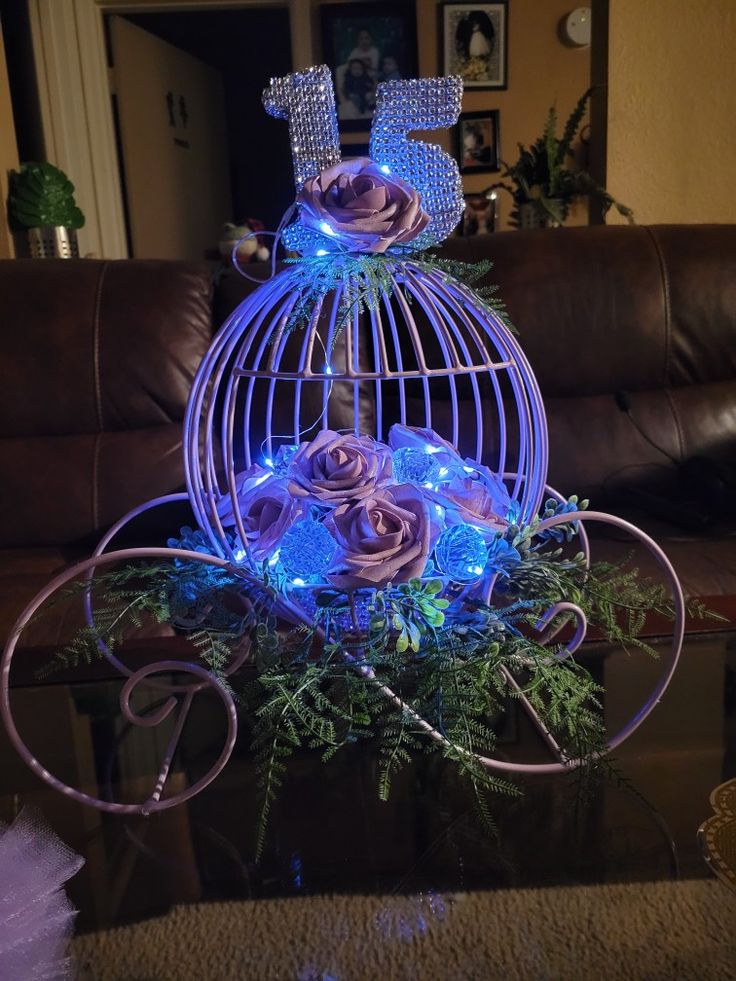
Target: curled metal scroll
x: 180, y: 697
x: 548, y: 631
x: 562, y: 761
x: 669, y: 661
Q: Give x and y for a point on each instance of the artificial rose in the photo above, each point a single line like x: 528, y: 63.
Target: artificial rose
x: 494, y: 485
x: 334, y: 468
x: 365, y: 209
x: 245, y: 481
x: 266, y: 508
x: 413, y: 437
x: 386, y: 537
x: 482, y: 502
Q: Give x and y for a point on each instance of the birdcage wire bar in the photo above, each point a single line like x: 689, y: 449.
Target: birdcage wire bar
x: 427, y: 331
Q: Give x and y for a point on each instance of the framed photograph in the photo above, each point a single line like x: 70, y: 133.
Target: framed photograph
x: 474, y: 41
x: 476, y: 142
x: 364, y: 44
x: 479, y: 217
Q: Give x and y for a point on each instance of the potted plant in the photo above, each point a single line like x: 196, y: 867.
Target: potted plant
x: 543, y: 187
x: 41, y: 203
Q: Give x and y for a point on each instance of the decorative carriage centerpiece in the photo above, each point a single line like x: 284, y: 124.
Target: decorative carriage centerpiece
x: 366, y: 452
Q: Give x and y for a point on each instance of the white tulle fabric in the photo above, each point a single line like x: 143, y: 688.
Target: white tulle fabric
x: 36, y: 918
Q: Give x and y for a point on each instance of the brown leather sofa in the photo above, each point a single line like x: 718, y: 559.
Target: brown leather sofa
x: 98, y: 358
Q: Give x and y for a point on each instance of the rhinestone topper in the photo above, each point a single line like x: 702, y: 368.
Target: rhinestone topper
x: 307, y: 100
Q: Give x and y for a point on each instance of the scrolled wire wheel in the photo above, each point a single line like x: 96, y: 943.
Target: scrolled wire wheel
x: 180, y: 697
x: 101, y: 549
x: 668, y: 662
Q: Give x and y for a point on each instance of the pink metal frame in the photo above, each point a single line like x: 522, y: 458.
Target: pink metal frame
x: 255, y: 365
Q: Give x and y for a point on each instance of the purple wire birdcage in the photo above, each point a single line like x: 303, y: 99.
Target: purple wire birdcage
x: 430, y: 355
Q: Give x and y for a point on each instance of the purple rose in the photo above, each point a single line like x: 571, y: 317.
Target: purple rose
x: 382, y: 538
x: 267, y: 510
x: 414, y: 437
x: 482, y: 501
x: 245, y: 481
x: 334, y: 468
x: 364, y: 208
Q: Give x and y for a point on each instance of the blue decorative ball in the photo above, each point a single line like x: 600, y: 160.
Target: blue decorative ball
x: 283, y: 458
x: 306, y: 550
x: 415, y: 466
x: 461, y: 553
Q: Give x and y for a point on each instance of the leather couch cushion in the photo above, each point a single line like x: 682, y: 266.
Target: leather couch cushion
x: 589, y: 308
x: 617, y: 307
x: 98, y: 362
x: 95, y: 346
x: 67, y: 488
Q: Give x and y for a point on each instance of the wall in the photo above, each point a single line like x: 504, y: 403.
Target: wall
x: 671, y: 105
x: 8, y: 154
x: 541, y: 70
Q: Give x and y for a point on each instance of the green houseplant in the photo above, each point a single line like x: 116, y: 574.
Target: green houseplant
x: 542, y: 186
x: 41, y: 203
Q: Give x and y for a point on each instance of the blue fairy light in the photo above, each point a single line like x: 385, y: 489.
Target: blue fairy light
x: 306, y: 550
x: 415, y: 466
x: 461, y: 553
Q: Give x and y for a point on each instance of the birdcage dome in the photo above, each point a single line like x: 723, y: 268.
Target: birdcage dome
x: 428, y: 354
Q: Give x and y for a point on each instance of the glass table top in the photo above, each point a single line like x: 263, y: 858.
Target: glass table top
x: 584, y: 877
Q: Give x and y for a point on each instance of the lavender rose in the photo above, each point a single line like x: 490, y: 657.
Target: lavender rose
x: 481, y: 502
x: 414, y: 437
x: 245, y: 481
x: 364, y: 208
x: 267, y: 510
x: 335, y: 468
x: 382, y: 538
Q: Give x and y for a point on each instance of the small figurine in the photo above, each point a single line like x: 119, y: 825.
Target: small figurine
x: 252, y: 247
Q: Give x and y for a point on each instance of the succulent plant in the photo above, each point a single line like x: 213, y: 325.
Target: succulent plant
x: 42, y: 195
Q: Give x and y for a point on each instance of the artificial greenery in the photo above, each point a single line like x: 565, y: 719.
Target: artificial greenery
x: 365, y: 280
x: 42, y: 195
x: 540, y: 178
x: 450, y: 664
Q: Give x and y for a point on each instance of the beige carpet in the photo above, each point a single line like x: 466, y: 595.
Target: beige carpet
x: 670, y: 931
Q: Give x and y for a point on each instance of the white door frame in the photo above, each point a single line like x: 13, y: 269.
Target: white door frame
x: 74, y: 95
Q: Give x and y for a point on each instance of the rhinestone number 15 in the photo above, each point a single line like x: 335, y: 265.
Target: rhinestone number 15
x: 421, y: 103
x: 307, y: 100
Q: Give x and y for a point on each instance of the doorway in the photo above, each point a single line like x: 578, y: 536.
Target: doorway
x: 184, y: 172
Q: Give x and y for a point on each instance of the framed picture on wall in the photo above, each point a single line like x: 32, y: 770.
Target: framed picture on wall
x: 474, y: 43
x: 365, y: 44
x: 476, y: 142
x: 479, y: 217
